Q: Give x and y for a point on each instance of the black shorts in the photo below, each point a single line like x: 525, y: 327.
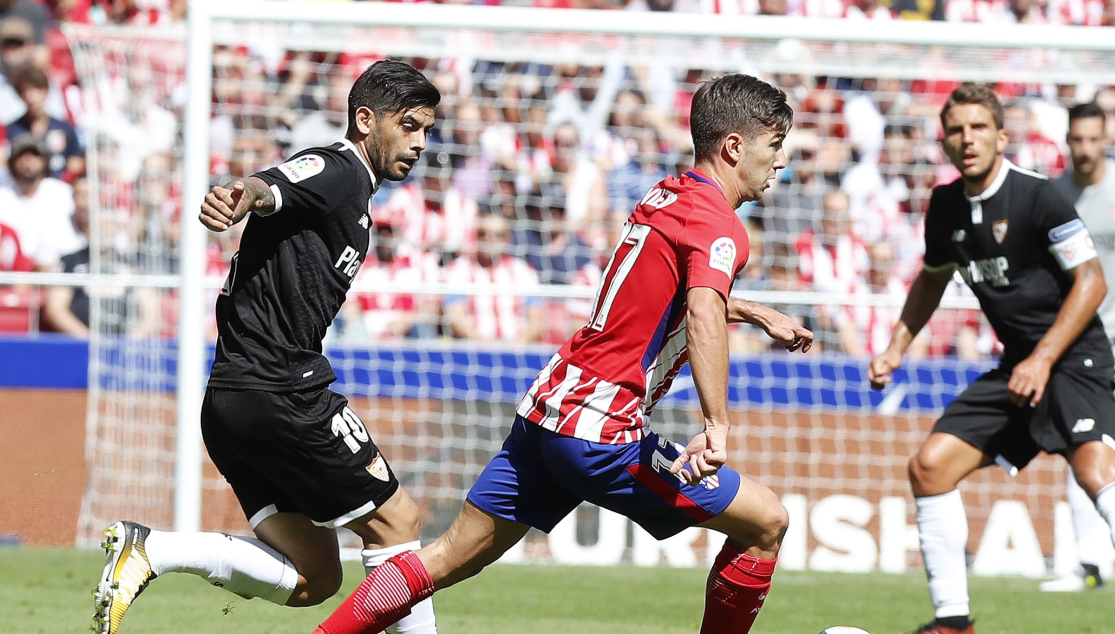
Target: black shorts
x: 1078, y: 407
x: 304, y: 452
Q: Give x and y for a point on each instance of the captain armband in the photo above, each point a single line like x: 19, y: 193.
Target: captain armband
x: 1071, y: 244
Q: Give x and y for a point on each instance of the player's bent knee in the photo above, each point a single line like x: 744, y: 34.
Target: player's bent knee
x: 1093, y: 480
x: 775, y: 522
x: 760, y: 522
x: 927, y: 476
x: 404, y: 514
x: 315, y: 588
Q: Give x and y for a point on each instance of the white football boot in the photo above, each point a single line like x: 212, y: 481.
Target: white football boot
x: 126, y: 573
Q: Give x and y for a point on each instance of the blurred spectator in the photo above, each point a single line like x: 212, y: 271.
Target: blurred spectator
x: 17, y: 49
x: 874, y: 200
x: 547, y: 243
x: 581, y: 179
x: 156, y: 225
x: 254, y: 150
x: 327, y: 125
x: 38, y: 207
x: 138, y: 12
x: 870, y: 10
x: 67, y: 155
x: 863, y: 330
x: 477, y: 148
x: 1027, y: 147
x: 919, y: 9
x: 631, y: 180
x: 773, y: 266
x: 134, y: 122
x: 832, y: 260
x: 242, y: 98
x: 584, y: 95
x: 1078, y: 12
x: 123, y: 309
x: 433, y: 215
x: 772, y: 7
x: 1027, y: 12
x: 37, y: 17
x: 794, y: 206
x: 488, y: 316
x: 378, y: 315
x: 12, y: 257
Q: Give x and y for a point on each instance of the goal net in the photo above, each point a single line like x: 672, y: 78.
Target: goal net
x: 553, y: 124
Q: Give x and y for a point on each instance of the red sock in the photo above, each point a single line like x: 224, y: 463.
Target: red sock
x: 383, y: 598
x: 737, y: 587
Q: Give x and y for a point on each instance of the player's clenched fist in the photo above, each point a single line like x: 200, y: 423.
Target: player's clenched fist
x: 704, y: 455
x: 224, y: 207
x: 878, y: 373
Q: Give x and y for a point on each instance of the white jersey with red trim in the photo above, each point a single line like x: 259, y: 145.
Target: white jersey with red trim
x: 411, y: 268
x: 604, y: 382
x: 495, y: 317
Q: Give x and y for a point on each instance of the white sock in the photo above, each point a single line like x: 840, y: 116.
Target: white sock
x: 1091, y: 530
x: 421, y: 617
x: 1105, y: 504
x: 241, y: 565
x: 943, y: 531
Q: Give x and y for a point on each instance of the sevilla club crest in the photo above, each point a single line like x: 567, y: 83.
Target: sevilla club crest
x: 999, y: 230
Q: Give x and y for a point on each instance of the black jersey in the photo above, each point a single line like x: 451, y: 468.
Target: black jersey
x: 1013, y: 245
x: 292, y: 272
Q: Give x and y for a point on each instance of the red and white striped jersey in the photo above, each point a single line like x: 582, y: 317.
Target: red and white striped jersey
x: 450, y: 229
x: 495, y: 317
x: 1078, y: 12
x: 411, y: 268
x: 874, y: 324
x: 604, y: 382
x: 830, y: 268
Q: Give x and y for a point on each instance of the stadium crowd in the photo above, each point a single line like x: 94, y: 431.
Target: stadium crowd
x: 530, y: 174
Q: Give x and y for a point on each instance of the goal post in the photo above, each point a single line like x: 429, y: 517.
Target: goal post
x: 808, y: 427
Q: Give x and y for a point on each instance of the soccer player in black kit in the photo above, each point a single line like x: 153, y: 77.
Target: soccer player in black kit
x: 299, y: 460
x: 1018, y: 243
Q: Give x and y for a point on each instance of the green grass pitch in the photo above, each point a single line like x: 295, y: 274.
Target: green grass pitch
x: 48, y: 592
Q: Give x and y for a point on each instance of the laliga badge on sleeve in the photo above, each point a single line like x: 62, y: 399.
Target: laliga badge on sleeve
x: 303, y: 167
x: 722, y: 256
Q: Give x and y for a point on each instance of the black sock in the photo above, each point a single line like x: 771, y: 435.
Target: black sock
x: 955, y: 622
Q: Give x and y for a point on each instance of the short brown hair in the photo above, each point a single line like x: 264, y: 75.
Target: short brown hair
x: 736, y: 103
x: 980, y: 94
x: 28, y: 75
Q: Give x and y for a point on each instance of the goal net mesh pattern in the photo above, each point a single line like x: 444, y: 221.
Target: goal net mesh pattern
x: 544, y: 142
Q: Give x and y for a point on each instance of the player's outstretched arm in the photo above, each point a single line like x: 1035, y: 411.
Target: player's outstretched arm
x: 924, y: 298
x: 706, y: 330
x: 1030, y: 377
x: 785, y: 330
x: 224, y: 207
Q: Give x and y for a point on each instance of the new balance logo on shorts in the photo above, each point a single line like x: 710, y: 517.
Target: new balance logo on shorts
x: 1083, y: 425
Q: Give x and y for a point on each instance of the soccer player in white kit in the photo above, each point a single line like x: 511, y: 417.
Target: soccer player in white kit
x: 1090, y: 185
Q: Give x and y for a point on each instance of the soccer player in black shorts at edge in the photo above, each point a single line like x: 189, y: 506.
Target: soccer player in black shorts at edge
x: 1018, y: 243
x: 299, y: 460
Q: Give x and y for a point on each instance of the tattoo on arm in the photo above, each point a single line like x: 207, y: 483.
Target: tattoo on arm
x: 263, y: 200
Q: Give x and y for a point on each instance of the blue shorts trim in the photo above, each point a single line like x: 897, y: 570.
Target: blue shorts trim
x: 539, y: 476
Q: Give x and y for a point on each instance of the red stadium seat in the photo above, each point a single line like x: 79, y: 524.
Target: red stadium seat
x: 19, y: 309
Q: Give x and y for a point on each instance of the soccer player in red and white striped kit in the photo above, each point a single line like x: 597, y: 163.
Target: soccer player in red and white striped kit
x: 581, y: 432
